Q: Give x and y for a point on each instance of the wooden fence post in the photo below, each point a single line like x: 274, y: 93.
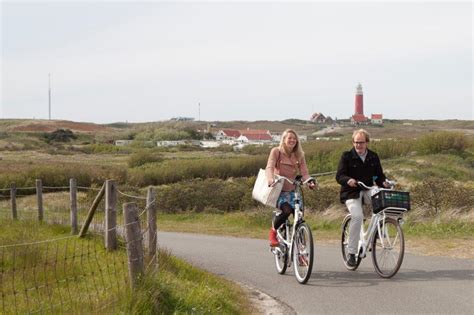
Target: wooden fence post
x: 13, y: 200
x: 110, y: 215
x: 39, y: 197
x: 73, y: 198
x: 91, y: 212
x: 133, y: 237
x: 151, y: 222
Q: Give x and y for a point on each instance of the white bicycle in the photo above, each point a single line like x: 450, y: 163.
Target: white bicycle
x: 295, y: 238
x: 384, y: 234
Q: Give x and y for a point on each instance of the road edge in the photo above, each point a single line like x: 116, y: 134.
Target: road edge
x: 266, y: 304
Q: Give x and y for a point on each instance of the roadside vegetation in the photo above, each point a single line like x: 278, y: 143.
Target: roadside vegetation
x: 100, y: 278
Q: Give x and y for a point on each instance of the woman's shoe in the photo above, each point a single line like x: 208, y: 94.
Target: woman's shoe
x: 273, y: 238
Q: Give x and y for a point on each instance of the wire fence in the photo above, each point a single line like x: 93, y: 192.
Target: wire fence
x: 58, y: 275
x: 74, y: 273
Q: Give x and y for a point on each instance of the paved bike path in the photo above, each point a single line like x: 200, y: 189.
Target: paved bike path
x: 423, y: 284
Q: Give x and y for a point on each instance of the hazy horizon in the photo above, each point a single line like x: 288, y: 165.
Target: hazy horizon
x: 241, y: 61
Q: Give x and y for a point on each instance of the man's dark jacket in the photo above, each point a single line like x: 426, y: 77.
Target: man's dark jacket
x: 351, y: 166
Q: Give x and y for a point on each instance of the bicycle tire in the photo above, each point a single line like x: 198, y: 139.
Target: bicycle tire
x: 303, y: 253
x: 387, y: 256
x: 281, y: 259
x: 345, y: 242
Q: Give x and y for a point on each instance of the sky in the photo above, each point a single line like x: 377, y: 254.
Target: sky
x: 117, y: 61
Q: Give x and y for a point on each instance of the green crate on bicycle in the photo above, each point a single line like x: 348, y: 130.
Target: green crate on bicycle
x: 390, y: 198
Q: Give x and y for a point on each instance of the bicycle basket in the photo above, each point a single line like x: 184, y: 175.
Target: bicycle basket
x: 390, y: 198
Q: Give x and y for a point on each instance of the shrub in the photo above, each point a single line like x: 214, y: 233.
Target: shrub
x: 201, y: 194
x: 257, y: 149
x: 322, y: 198
x: 60, y: 135
x: 217, y: 195
x: 143, y: 157
x: 439, y: 194
x: 442, y: 142
x: 98, y: 148
x: 86, y: 175
x: 323, y: 156
x: 172, y: 171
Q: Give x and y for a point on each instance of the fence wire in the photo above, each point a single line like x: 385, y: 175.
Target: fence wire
x: 58, y: 275
x: 68, y: 274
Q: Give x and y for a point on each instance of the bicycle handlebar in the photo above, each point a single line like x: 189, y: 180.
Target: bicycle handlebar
x: 295, y: 181
x: 361, y: 184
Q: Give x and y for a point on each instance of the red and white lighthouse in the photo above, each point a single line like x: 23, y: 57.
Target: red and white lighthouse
x: 359, y: 101
x: 359, y: 117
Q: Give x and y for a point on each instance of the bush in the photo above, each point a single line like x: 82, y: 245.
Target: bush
x: 172, y: 171
x: 322, y: 198
x: 439, y: 194
x: 98, y: 148
x: 143, y: 157
x: 60, y: 135
x: 85, y: 175
x: 443, y: 142
x: 323, y: 156
x: 217, y: 195
x: 257, y: 149
x: 200, y: 194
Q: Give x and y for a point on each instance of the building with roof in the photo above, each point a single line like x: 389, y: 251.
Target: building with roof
x: 376, y: 119
x: 227, y: 134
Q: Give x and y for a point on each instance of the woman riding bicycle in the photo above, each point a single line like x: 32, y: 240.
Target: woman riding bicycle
x: 286, y: 160
x: 358, y: 164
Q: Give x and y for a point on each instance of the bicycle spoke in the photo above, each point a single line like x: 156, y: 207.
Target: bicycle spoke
x: 388, y: 249
x: 303, y: 253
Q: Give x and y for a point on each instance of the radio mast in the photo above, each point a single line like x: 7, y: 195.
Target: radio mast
x: 49, y: 95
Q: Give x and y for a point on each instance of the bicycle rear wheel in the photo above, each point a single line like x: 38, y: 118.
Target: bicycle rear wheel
x: 281, y: 256
x: 388, y: 248
x: 303, y: 253
x: 345, y: 243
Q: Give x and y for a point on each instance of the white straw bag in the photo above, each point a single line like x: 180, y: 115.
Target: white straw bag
x: 264, y: 194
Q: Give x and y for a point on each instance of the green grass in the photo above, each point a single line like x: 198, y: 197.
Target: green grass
x: 179, y: 288
x: 46, y: 270
x: 438, y: 165
x: 256, y: 223
x: 78, y: 275
x: 440, y: 230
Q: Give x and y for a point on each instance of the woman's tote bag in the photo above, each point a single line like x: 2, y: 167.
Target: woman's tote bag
x: 264, y: 194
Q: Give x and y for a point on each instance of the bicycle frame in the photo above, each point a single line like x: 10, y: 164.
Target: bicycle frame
x: 366, y: 236
x: 298, y: 217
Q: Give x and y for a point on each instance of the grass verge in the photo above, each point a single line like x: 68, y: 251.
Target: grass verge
x: 44, y: 269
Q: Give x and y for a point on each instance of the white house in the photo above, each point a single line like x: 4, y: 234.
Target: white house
x: 209, y: 144
x: 169, y: 143
x: 227, y: 134
x: 122, y: 143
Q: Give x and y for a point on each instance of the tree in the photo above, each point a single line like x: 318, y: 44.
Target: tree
x: 60, y: 135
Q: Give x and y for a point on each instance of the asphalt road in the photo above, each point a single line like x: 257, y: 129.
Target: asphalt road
x: 429, y: 285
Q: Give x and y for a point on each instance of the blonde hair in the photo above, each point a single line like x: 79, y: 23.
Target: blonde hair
x: 363, y: 132
x: 297, y: 150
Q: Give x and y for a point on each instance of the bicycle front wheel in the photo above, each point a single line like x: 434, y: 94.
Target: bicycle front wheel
x: 303, y: 253
x: 388, y: 248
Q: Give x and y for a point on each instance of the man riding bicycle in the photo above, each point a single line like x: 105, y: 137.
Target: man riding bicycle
x: 358, y: 164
